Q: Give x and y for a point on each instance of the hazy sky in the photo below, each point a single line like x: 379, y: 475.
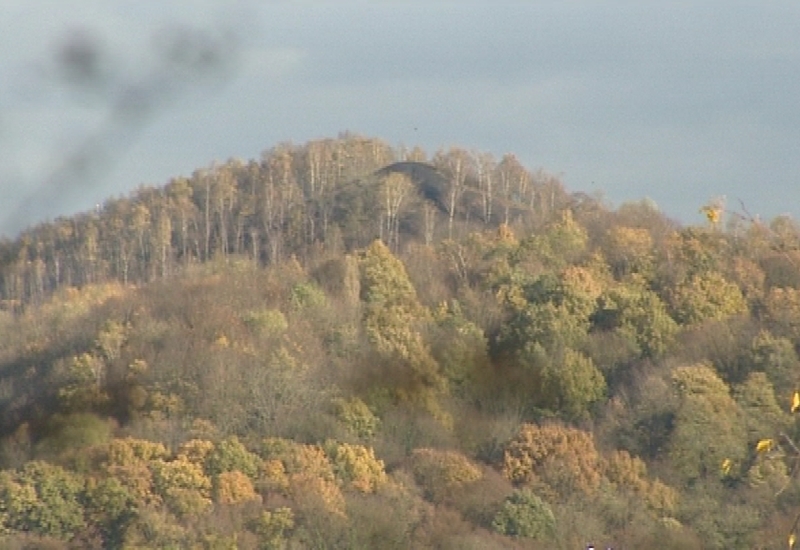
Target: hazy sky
x: 679, y: 102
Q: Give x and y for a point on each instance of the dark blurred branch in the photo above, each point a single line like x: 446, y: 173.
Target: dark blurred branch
x: 187, y: 60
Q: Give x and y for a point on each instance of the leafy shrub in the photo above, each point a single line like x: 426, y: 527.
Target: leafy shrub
x: 356, y: 417
x: 523, y: 514
x: 357, y: 466
x: 440, y: 473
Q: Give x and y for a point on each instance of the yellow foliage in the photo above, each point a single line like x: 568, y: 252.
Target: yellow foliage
x: 661, y: 498
x: 195, y: 451
x: 506, y: 235
x: 222, y: 342
x: 625, y: 470
x: 311, y: 460
x: 73, y: 302
x: 795, y: 402
x: 179, y: 473
x: 357, y: 466
x: 272, y: 526
x: 765, y: 445
x: 630, y: 473
x: 713, y: 213
x: 440, y: 473
x: 129, y: 450
x: 726, y: 466
x: 182, y: 484
x: 749, y: 277
x: 313, y: 494
x: 579, y: 282
x: 632, y: 242
x: 272, y: 476
x: 233, y: 488
x: 186, y: 502
x: 562, y: 458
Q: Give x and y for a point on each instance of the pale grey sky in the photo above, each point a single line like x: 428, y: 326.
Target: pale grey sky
x: 679, y: 102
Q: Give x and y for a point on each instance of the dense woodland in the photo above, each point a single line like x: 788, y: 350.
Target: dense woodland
x: 350, y: 345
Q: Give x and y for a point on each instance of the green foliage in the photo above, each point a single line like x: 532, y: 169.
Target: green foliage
x: 563, y: 241
x: 72, y: 432
x: 763, y: 415
x: 42, y: 498
x: 392, y: 315
x: 639, y: 315
x: 184, y: 320
x: 777, y: 358
x: 110, y: 506
x: 571, y: 384
x: 357, y: 417
x: 307, y: 295
x: 552, y: 310
x: 707, y: 296
x: 459, y: 346
x: 708, y: 424
x: 182, y: 485
x: 273, y: 526
x: 267, y: 322
x: 358, y: 468
x: 84, y: 385
x: 523, y: 514
x: 229, y: 455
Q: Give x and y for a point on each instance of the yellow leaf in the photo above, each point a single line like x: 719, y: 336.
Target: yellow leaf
x: 726, y: 466
x: 712, y: 213
x: 765, y: 445
x: 792, y: 540
x: 795, y: 402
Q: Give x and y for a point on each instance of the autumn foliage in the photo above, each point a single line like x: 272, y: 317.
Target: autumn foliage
x: 347, y: 345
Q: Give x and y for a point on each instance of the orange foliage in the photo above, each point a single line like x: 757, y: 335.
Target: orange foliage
x: 561, y: 459
x: 233, y: 488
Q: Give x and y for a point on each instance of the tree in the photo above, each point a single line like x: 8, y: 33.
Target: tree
x: 564, y: 241
x: 639, y: 315
x: 396, y: 187
x: 553, y: 460
x: 629, y: 250
x: 441, y: 473
x: 392, y: 314
x: 457, y: 164
x: 485, y: 165
x: 511, y: 177
x: 707, y: 296
x: 230, y: 455
x: 112, y: 507
x: 184, y: 487
x: 776, y: 357
x: 357, y: 467
x: 41, y: 498
x: 762, y: 413
x: 708, y: 424
x: 570, y: 384
x: 523, y: 514
x: 233, y: 487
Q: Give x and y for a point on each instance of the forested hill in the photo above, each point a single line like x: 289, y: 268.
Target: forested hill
x: 329, y: 196
x: 343, y: 345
